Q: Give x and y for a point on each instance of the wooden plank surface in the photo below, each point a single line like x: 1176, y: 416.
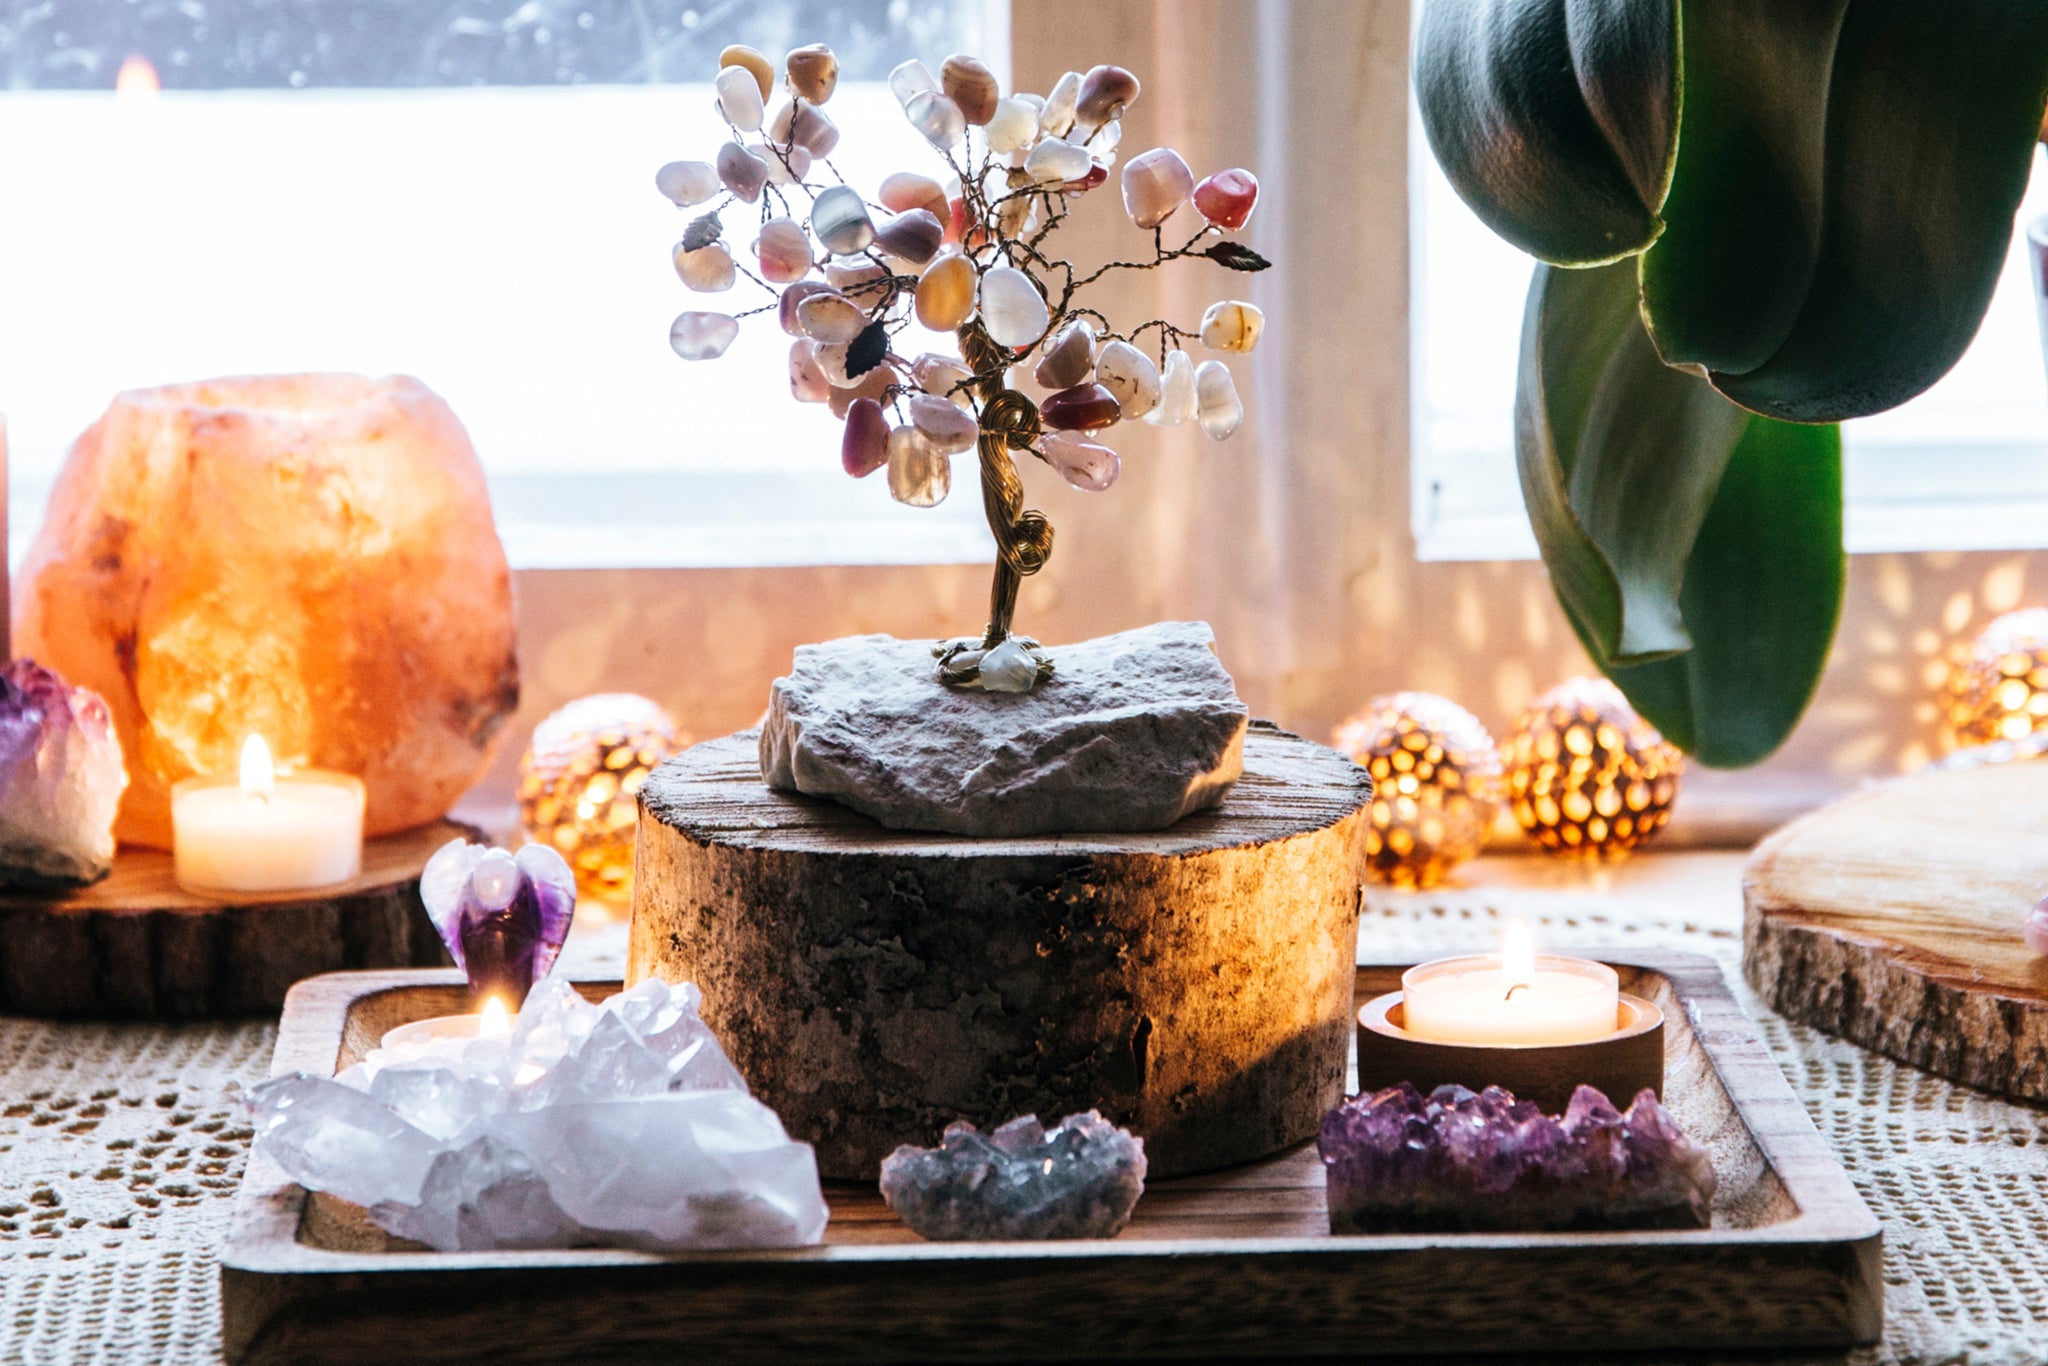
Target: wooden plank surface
x: 1892, y: 918
x: 1229, y: 1263
x: 136, y: 945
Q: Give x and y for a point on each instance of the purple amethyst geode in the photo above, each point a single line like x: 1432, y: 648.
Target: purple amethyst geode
x: 1400, y: 1162
x: 503, y: 917
x: 1079, y: 1180
x: 61, y: 780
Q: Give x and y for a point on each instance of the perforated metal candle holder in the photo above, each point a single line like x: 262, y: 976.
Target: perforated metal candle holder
x: 1620, y: 1065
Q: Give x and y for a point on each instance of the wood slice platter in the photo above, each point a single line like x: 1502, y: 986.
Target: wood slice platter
x: 136, y: 946
x: 1892, y: 918
x: 1234, y: 1263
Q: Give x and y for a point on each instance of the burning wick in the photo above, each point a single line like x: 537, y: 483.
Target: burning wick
x: 1517, y: 959
x: 259, y: 775
x: 496, y: 1022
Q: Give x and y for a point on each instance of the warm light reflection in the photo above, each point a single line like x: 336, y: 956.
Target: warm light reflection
x: 136, y: 77
x: 496, y: 1022
x: 1518, y: 956
x: 259, y: 774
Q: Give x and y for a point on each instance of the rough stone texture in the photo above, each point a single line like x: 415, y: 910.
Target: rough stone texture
x: 873, y: 986
x: 1132, y: 732
x: 308, y: 557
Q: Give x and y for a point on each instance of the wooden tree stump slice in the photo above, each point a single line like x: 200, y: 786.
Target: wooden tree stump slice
x: 136, y: 946
x: 875, y: 985
x: 1892, y: 918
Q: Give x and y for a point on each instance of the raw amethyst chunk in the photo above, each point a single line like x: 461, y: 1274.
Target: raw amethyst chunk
x: 61, y: 779
x: 1080, y: 1180
x: 502, y: 917
x: 1397, y: 1162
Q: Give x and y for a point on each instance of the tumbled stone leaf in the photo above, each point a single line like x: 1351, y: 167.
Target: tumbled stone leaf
x: 866, y: 351
x: 1237, y: 256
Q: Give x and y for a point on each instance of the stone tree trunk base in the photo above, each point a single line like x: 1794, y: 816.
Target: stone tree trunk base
x: 875, y: 985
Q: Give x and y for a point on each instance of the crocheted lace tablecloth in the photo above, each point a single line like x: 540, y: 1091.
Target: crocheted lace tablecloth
x: 120, y: 1146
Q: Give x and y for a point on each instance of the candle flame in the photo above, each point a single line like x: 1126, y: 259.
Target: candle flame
x: 136, y: 77
x: 497, y: 1021
x: 259, y: 774
x: 1517, y: 957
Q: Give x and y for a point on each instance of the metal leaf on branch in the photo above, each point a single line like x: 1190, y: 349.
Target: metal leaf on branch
x: 1237, y: 256
x: 702, y: 232
x: 867, y: 350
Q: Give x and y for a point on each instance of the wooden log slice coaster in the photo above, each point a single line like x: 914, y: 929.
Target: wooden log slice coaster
x: 1892, y: 918
x: 136, y: 946
x: 875, y: 985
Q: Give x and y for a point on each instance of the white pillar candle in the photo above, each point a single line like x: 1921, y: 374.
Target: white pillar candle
x: 1511, y: 997
x: 267, y: 832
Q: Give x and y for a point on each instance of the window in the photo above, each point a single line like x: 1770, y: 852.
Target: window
x: 1962, y: 467
x: 463, y: 192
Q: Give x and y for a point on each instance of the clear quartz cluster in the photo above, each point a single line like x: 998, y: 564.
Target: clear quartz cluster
x: 1081, y: 1179
x: 622, y: 1124
x: 61, y: 779
x: 1454, y: 1161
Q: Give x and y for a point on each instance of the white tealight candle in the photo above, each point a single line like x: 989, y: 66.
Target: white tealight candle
x: 1511, y: 997
x: 267, y: 832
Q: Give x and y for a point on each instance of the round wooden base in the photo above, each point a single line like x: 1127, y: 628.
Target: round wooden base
x: 1892, y: 918
x: 136, y: 946
x: 875, y: 985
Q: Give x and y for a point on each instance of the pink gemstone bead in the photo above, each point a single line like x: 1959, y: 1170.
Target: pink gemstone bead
x: 1083, y: 408
x: 785, y: 309
x: 1155, y: 184
x: 905, y: 190
x: 2035, y: 931
x: 1105, y: 91
x: 865, y: 447
x: 1227, y: 198
x: 783, y: 250
x: 1081, y: 462
x: 807, y: 383
x: 913, y: 235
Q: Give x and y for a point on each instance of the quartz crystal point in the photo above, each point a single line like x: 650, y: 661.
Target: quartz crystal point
x: 865, y: 446
x: 945, y: 293
x: 813, y: 72
x: 903, y: 191
x: 1085, y: 464
x: 1227, y: 198
x: 1012, y: 309
x: 1130, y: 375
x: 1155, y: 184
x: 937, y: 118
x: 909, y: 80
x: 739, y: 99
x: 783, y: 250
x: 1104, y: 94
x: 840, y: 220
x: 702, y: 336
x: 1057, y: 118
x: 912, y: 237
x: 1176, y: 392
x: 61, y: 779
x: 1068, y: 357
x: 1012, y: 127
x: 1081, y: 1180
x: 622, y: 1124
x: 687, y: 182
x: 945, y: 426
x: 1397, y: 1162
x: 1054, y: 162
x: 1083, y: 408
x: 741, y: 172
x: 751, y: 60
x: 708, y: 270
x: 918, y: 475
x: 1217, y: 406
x: 1232, y: 326
x: 969, y: 83
x: 503, y: 917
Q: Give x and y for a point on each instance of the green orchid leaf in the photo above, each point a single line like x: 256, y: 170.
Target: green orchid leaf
x: 1696, y: 548
x: 1556, y: 120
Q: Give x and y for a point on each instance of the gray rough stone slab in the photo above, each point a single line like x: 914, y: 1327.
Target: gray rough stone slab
x: 1132, y: 732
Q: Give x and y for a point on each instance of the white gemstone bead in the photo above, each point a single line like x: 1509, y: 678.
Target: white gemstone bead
x: 938, y: 118
x: 1155, y: 184
x: 918, y: 475
x: 1011, y: 307
x: 1216, y: 402
x: 1009, y: 667
x: 1013, y: 127
x: 942, y: 377
x: 708, y: 269
x: 1083, y: 463
x: 850, y: 272
x: 739, y: 98
x: 1232, y: 326
x: 743, y: 172
x: 786, y: 165
x: 807, y: 383
x: 702, y: 336
x: 1128, y: 373
x: 1176, y: 392
x: 909, y: 80
x: 944, y: 426
x: 1058, y: 119
x: 1065, y: 359
x: 829, y: 318
x: 1054, y: 162
x: 840, y: 220
x: 687, y: 182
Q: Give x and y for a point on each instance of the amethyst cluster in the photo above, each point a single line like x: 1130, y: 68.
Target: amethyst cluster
x: 503, y: 917
x: 61, y: 779
x: 1400, y: 1162
x: 1081, y: 1179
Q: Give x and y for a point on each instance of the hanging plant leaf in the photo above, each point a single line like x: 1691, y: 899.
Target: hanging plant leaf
x: 1237, y: 256
x: 702, y: 232
x: 867, y: 350
x: 1695, y: 547
x: 1556, y: 120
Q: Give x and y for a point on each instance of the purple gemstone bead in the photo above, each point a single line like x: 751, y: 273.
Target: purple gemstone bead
x: 1083, y: 408
x: 503, y: 918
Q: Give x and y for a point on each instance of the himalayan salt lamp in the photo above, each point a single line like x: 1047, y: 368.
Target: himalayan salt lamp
x: 309, y: 558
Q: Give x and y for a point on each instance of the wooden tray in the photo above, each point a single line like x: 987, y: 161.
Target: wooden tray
x: 135, y: 945
x: 1892, y: 918
x: 1234, y: 1263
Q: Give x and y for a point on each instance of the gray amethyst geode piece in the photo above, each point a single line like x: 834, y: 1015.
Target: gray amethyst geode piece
x: 1020, y: 1183
x: 61, y: 779
x: 1131, y: 732
x: 1399, y: 1162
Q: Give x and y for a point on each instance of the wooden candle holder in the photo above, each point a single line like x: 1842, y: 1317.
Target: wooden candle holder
x: 1619, y: 1065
